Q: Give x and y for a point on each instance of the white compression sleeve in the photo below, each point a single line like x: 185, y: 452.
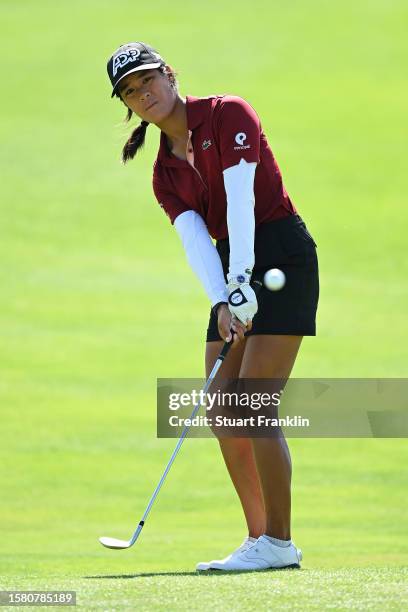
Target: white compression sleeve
x: 202, y: 255
x: 239, y: 187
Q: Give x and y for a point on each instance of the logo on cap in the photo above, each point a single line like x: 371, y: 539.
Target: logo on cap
x: 123, y: 58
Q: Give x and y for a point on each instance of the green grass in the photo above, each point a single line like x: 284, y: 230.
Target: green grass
x: 290, y: 589
x: 87, y: 256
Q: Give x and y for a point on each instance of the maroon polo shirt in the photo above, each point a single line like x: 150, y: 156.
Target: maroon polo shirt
x: 222, y: 131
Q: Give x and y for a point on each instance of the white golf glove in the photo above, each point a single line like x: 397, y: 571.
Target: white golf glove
x: 242, y: 300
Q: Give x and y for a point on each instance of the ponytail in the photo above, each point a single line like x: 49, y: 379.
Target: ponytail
x: 136, y: 140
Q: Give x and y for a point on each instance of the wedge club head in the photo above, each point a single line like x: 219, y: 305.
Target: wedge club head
x: 114, y: 543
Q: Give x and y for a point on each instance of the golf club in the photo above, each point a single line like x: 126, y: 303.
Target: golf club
x: 121, y: 544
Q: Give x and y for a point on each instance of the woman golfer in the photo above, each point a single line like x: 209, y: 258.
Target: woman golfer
x: 215, y: 177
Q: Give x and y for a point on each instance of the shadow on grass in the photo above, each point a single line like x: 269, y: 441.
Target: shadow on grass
x: 143, y: 575
x: 205, y: 574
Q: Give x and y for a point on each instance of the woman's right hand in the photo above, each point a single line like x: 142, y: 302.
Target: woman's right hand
x: 229, y: 325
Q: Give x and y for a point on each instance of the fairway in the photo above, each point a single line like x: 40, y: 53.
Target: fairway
x: 98, y: 301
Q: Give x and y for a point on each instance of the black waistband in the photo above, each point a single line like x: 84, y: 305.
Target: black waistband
x: 269, y: 227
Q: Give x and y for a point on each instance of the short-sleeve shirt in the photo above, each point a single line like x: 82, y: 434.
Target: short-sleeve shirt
x: 222, y: 131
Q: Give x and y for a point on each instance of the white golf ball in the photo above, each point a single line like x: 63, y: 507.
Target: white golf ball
x: 274, y: 279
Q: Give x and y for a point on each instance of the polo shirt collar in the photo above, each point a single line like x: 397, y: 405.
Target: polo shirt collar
x: 197, y: 110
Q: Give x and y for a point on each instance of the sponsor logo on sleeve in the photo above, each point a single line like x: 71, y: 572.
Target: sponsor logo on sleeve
x: 240, y: 138
x: 123, y: 58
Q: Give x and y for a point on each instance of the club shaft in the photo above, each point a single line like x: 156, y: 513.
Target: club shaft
x: 185, y: 431
x: 257, y: 285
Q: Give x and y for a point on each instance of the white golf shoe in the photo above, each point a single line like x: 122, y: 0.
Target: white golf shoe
x: 245, y: 544
x: 259, y: 555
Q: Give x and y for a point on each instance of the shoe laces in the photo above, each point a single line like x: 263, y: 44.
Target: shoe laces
x: 244, y: 546
x: 249, y: 546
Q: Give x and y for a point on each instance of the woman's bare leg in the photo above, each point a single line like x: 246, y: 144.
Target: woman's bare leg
x: 238, y: 452
x: 272, y: 357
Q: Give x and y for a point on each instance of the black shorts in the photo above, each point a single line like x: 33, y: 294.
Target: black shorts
x: 285, y: 244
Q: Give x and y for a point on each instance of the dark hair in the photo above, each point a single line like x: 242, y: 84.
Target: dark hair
x: 137, y: 137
